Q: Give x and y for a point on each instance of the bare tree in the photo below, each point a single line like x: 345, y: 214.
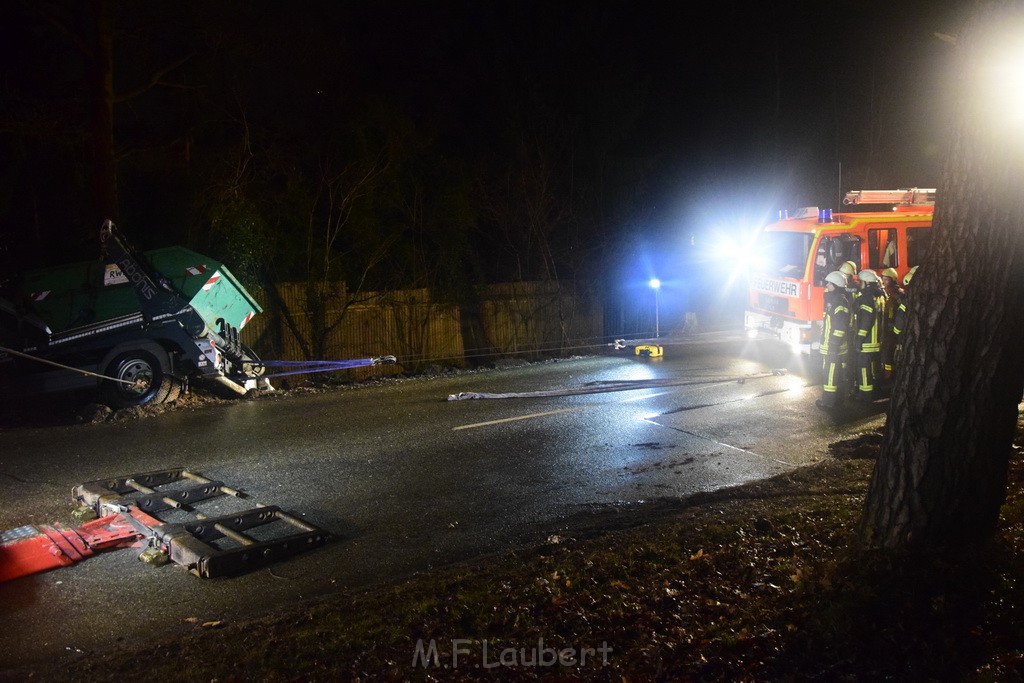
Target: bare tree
x: 941, y: 476
x: 328, y: 298
x: 89, y: 29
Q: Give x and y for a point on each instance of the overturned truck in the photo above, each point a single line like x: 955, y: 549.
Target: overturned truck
x: 137, y: 327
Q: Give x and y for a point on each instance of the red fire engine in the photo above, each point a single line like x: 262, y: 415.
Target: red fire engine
x: 794, y: 254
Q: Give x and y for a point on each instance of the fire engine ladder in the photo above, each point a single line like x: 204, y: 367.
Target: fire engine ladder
x: 207, y: 545
x: 912, y: 196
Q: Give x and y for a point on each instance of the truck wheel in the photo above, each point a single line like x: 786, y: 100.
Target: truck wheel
x: 170, y: 390
x: 149, y: 383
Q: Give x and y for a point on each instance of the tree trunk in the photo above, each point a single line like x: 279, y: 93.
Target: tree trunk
x: 101, y: 81
x: 941, y: 475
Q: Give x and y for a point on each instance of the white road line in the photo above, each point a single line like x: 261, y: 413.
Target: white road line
x: 519, y: 417
x: 722, y: 443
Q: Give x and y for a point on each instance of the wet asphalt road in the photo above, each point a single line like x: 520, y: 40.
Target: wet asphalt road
x: 405, y: 479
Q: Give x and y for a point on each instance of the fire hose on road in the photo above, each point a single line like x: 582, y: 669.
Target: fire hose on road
x: 615, y: 385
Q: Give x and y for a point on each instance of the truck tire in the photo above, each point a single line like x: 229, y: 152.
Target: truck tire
x: 152, y: 384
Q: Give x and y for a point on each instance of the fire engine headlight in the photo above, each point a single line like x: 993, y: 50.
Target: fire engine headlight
x: 736, y: 247
x: 752, y: 333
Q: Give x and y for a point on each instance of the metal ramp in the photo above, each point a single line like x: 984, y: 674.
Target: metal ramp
x: 203, y: 525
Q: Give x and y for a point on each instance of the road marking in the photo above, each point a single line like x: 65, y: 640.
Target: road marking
x: 552, y: 412
x: 519, y: 417
x: 723, y: 444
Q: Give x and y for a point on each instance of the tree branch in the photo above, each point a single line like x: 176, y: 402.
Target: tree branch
x: 62, y: 26
x: 154, y: 80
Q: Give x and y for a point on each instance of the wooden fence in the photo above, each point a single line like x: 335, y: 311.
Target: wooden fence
x: 523, y: 319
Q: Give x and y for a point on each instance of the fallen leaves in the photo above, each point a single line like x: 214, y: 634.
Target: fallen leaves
x: 213, y: 623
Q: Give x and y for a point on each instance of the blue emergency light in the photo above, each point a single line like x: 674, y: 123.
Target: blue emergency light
x: 824, y: 215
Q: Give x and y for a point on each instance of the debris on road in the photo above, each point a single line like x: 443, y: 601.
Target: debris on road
x: 124, y: 512
x: 32, y: 549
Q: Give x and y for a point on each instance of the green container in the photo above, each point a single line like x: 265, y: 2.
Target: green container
x: 82, y: 293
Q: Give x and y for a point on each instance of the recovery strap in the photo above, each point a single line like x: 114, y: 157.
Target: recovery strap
x: 299, y: 367
x: 64, y: 367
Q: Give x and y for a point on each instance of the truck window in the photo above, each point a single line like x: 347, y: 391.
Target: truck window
x: 784, y: 253
x: 882, y: 252
x: 821, y: 262
x: 919, y: 240
x: 832, y: 252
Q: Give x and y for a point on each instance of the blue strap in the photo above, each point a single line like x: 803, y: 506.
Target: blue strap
x: 299, y: 367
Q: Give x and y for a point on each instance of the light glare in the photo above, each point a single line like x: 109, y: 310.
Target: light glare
x: 1000, y: 89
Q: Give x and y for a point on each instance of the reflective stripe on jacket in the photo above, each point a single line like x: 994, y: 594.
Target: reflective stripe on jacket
x: 871, y: 303
x: 835, y: 324
x: 899, y: 321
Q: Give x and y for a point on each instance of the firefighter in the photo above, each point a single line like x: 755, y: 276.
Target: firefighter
x: 899, y: 323
x: 834, y: 339
x: 893, y: 296
x: 868, y: 314
x: 849, y: 269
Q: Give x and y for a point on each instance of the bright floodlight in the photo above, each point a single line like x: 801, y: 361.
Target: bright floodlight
x: 655, y: 283
x: 1002, y: 89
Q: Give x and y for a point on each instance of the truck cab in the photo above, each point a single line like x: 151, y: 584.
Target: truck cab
x: 792, y: 256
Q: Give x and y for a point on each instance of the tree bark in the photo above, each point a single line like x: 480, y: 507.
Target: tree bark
x: 941, y: 476
x: 101, y: 83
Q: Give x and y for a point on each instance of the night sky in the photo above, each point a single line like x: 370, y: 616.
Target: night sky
x: 653, y: 121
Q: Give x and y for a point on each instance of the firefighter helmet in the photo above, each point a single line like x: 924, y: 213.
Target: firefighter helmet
x: 909, y: 276
x: 849, y: 269
x: 891, y: 274
x: 867, y: 276
x: 836, y: 278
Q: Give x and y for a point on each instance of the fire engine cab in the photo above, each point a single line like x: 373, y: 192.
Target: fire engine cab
x: 793, y: 255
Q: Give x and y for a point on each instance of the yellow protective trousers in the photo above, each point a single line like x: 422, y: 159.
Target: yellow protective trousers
x: 833, y: 372
x: 867, y: 374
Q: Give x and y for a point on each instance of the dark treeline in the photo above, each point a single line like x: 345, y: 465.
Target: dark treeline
x: 404, y: 144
